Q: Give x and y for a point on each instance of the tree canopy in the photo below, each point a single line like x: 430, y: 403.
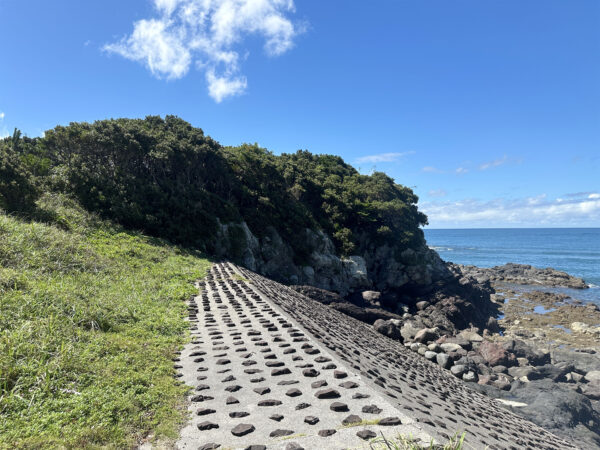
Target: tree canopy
x: 167, y: 178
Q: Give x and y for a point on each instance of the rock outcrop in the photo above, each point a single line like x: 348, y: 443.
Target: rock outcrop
x: 379, y: 267
x: 523, y: 274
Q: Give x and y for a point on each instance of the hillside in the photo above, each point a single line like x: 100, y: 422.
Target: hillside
x: 90, y: 317
x: 300, y: 218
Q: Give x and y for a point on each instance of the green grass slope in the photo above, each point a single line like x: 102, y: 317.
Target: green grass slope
x: 90, y: 315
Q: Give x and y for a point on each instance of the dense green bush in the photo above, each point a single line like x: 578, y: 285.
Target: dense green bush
x: 167, y: 178
x: 18, y: 191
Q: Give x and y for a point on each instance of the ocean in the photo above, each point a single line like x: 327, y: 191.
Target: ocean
x: 572, y: 250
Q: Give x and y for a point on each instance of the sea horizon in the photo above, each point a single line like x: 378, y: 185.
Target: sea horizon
x: 574, y: 250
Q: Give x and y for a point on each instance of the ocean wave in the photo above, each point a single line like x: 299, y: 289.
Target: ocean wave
x: 594, y: 286
x: 444, y: 249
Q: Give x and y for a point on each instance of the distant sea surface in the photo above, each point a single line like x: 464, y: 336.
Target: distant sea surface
x: 572, y: 250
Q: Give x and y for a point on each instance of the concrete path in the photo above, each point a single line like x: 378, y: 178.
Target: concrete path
x: 274, y: 369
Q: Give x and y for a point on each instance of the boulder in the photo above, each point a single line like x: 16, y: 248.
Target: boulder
x: 443, y: 360
x: 496, y: 355
x: 554, y: 372
x: 431, y: 356
x: 422, y: 305
x: 470, y: 336
x: 372, y: 297
x: 522, y: 350
x: 591, y: 390
x: 470, y: 376
x: 458, y: 370
x: 426, y: 335
x: 592, y: 376
x: 408, y: 331
x: 387, y: 328
x: 450, y: 347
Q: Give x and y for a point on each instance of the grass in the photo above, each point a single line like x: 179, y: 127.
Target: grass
x: 89, y: 318
x: 456, y: 442
x: 363, y: 422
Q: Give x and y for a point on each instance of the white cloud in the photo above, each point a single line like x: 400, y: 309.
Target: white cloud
x: 383, y: 157
x: 431, y: 169
x: 209, y: 34
x: 495, y: 163
x: 2, y: 116
x: 594, y: 196
x: 537, y: 211
x: 461, y: 170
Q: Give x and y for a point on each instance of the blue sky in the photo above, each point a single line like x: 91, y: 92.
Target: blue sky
x: 489, y: 110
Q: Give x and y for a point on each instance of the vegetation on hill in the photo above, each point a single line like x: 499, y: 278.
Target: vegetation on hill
x: 167, y: 178
x: 90, y: 308
x: 90, y: 315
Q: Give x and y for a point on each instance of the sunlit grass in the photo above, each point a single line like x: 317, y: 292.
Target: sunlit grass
x: 89, y: 318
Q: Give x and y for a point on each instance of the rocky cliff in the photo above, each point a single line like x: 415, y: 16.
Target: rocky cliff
x: 380, y: 267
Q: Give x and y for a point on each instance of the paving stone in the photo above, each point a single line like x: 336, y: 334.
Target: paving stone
x: 271, y: 402
x: 390, y: 421
x: 311, y: 420
x: 280, y: 433
x: 238, y: 414
x: 231, y: 401
x: 339, y: 374
x: 242, y: 429
x: 276, y: 417
x: 349, y: 385
x: 359, y: 396
x: 310, y: 373
x: 262, y: 390
x: 293, y: 393
x: 371, y: 409
x: 205, y: 411
x: 209, y: 446
x: 327, y: 393
x: 201, y: 398
x: 327, y: 433
x: 203, y: 426
x: 351, y: 419
x: 366, y: 434
x: 279, y: 372
x: 338, y: 407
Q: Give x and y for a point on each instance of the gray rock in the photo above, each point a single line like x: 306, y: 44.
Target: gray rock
x: 426, y: 335
x: 470, y: 376
x: 450, y: 347
x: 592, y: 375
x: 434, y: 347
x: 458, y: 370
x: 408, y: 331
x: 443, y: 360
x: 431, y: 356
x: 387, y: 328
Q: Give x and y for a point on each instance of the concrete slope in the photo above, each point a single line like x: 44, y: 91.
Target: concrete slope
x: 272, y: 368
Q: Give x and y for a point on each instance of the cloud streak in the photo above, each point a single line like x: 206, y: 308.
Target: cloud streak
x: 207, y: 35
x: 538, y: 211
x: 383, y: 157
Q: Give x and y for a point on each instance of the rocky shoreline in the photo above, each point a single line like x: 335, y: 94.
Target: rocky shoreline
x: 537, y: 353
